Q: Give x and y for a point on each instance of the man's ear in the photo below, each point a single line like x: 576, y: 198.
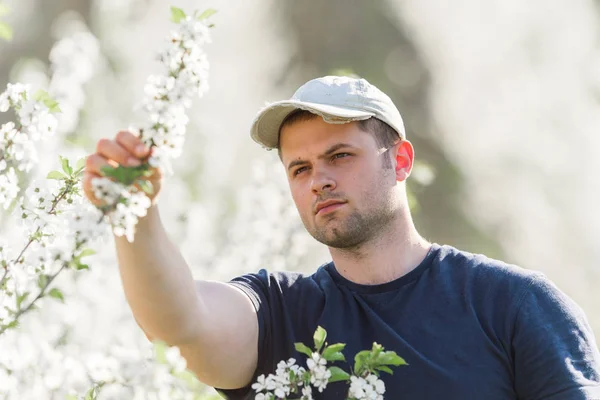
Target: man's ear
x: 405, y: 156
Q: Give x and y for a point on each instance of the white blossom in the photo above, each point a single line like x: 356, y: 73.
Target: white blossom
x: 107, y: 190
x: 319, y: 372
x: 14, y: 94
x: 168, y: 95
x: 40, y: 195
x: 175, y: 360
x: 306, y: 393
x: 9, y: 187
x: 367, y: 388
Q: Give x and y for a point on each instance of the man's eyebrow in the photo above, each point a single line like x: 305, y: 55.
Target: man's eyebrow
x: 327, y: 153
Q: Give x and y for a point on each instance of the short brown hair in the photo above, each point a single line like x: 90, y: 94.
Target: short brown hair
x: 385, y: 136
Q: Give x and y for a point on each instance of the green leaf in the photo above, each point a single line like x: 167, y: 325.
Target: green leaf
x: 188, y: 377
x: 333, y: 352
x: 40, y: 95
x: 146, y: 186
x: 6, y: 31
x: 4, y: 9
x: 302, y: 348
x: 107, y: 171
x: 360, y: 359
x: 319, y: 337
x: 390, y: 358
x: 44, y: 97
x: 337, y: 356
x: 385, y: 369
x: 13, y: 324
x: 52, y: 106
x: 80, y: 164
x: 80, y: 266
x: 70, y: 397
x: 56, y: 175
x: 65, y: 166
x: 91, y: 394
x: 56, y: 294
x: 21, y: 298
x: 125, y: 175
x: 207, y: 14
x: 177, y: 14
x: 86, y: 252
x: 337, y: 375
x: 160, y: 351
x: 42, y: 281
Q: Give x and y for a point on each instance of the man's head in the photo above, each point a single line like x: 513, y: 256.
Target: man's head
x: 346, y: 186
x: 343, y: 146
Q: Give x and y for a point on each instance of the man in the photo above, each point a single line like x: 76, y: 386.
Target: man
x: 468, y: 326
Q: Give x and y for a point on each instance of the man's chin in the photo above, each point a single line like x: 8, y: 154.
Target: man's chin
x: 335, y: 239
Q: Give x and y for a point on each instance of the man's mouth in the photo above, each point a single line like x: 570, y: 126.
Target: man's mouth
x: 328, y: 206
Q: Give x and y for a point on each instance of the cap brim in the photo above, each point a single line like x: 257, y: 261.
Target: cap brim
x: 265, y: 128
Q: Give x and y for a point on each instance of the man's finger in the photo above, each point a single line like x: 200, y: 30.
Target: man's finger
x: 112, y: 150
x: 132, y: 143
x: 95, y: 162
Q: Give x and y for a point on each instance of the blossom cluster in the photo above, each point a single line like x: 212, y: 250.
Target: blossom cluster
x: 35, y: 369
x: 292, y: 379
x: 167, y: 96
x: 369, y: 388
x: 288, y: 378
x: 319, y: 374
x: 17, y: 150
x: 58, y: 225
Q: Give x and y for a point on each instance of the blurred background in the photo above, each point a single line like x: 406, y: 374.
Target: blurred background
x: 499, y: 98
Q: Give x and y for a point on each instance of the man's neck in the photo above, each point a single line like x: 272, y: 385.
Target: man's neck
x: 385, y: 258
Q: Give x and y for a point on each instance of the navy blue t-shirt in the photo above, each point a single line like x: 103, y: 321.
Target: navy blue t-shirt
x: 469, y: 327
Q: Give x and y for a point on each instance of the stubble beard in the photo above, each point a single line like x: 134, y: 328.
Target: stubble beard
x: 357, y: 228
x: 351, y: 231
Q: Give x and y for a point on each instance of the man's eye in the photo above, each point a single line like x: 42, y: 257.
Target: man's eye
x: 340, y: 155
x: 299, y: 170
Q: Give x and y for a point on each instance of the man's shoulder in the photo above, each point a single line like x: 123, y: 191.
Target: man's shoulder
x: 461, y: 263
x: 284, y: 281
x: 478, y: 275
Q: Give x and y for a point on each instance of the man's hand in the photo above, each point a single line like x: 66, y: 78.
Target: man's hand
x: 126, y: 150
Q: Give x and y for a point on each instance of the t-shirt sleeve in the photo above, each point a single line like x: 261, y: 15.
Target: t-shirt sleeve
x: 264, y: 291
x: 554, y: 349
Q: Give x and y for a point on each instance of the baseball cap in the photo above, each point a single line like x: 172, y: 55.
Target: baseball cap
x: 338, y: 99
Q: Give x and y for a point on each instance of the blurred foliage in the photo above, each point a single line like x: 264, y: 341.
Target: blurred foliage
x: 6, y: 32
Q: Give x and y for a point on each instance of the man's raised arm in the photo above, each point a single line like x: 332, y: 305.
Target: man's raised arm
x: 203, y: 318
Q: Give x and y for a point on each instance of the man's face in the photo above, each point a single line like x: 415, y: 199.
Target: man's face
x: 337, y: 178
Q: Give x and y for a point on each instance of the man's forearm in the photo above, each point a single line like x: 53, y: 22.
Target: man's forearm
x: 158, y: 284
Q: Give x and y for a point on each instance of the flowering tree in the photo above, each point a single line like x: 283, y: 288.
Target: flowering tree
x: 51, y: 237
x: 60, y: 230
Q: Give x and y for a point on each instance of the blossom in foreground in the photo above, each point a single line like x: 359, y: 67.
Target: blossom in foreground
x: 320, y: 375
x: 367, y: 388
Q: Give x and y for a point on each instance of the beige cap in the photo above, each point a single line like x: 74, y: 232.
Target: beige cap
x: 338, y: 99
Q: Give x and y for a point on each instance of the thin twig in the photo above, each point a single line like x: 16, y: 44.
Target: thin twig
x: 39, y: 296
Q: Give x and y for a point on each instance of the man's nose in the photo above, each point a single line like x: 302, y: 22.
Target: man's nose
x: 322, y: 181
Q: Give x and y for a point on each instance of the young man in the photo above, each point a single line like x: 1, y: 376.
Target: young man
x: 468, y: 326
